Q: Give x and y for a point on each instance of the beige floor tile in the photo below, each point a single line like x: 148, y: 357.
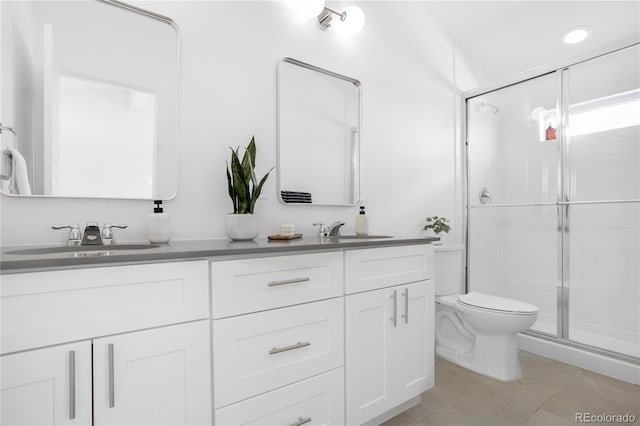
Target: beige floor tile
x: 540, y: 370
x: 550, y: 393
x: 400, y: 420
x: 453, y: 416
x: 544, y: 418
x: 589, y: 393
x: 623, y: 397
x: 434, y: 399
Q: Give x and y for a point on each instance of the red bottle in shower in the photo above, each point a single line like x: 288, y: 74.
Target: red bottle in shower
x: 550, y: 134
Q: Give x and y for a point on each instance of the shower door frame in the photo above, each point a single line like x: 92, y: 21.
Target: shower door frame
x: 563, y: 203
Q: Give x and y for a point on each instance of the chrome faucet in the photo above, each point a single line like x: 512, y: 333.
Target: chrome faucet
x: 91, y: 235
x: 332, y: 230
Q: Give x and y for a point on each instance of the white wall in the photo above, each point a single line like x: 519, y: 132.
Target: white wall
x: 229, y: 52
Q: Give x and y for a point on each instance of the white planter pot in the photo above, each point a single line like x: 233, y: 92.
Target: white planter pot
x: 442, y: 236
x: 242, y: 227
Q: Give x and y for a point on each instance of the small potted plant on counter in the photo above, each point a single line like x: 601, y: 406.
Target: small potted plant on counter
x: 438, y: 225
x: 244, y: 190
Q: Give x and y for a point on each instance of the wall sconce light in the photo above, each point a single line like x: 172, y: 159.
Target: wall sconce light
x: 350, y: 21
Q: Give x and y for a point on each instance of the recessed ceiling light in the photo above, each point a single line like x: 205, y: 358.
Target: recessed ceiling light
x: 576, y: 35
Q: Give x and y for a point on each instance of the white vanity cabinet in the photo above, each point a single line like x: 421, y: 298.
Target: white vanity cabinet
x: 389, y: 330
x: 339, y: 335
x: 142, y: 354
x: 284, y: 363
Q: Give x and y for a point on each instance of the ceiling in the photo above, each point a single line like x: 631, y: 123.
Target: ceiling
x: 502, y: 39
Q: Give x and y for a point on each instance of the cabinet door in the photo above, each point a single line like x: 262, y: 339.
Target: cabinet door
x: 370, y: 353
x: 47, y: 386
x: 415, y: 341
x: 154, y: 377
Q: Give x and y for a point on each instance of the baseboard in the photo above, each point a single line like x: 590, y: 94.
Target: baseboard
x: 602, y: 364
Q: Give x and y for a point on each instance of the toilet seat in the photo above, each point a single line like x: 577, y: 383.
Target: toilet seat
x: 496, y: 304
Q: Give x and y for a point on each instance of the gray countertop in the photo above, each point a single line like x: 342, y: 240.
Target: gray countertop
x: 180, y: 250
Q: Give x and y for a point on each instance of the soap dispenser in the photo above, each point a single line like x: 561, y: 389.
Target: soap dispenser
x: 159, y: 226
x: 362, y: 222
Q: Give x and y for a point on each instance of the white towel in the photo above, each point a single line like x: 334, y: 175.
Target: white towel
x: 19, y: 179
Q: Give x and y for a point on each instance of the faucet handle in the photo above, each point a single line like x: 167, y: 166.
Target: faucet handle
x: 107, y: 232
x: 323, y: 230
x: 74, y: 233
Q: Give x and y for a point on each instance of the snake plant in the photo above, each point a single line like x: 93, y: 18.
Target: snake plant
x: 244, y: 187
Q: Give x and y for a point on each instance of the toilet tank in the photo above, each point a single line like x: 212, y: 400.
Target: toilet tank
x: 449, y: 269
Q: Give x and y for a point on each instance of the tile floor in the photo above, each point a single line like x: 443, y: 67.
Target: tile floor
x: 549, y: 394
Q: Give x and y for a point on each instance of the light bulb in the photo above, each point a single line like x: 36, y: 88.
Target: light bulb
x: 353, y: 22
x: 576, y: 35
x: 308, y: 8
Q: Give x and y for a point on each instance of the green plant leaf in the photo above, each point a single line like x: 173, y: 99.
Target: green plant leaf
x: 240, y: 186
x: 257, y: 190
x: 251, y: 149
x: 243, y: 186
x: 232, y: 192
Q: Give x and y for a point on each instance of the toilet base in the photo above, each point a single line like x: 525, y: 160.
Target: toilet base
x: 492, y: 355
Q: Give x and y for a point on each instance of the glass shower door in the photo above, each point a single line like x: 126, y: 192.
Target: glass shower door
x: 514, y: 185
x: 602, y: 183
x: 554, y: 199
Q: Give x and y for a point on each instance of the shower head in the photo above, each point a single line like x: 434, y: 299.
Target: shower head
x: 493, y: 108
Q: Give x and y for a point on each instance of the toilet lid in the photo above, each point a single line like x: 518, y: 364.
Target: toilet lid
x: 495, y: 303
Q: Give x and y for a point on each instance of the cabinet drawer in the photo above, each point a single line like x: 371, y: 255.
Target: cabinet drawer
x: 46, y: 308
x: 259, y: 352
x: 250, y: 285
x: 370, y: 269
x: 319, y: 401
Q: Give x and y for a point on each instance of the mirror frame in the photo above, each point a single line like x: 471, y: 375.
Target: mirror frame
x: 165, y: 20
x: 358, y: 87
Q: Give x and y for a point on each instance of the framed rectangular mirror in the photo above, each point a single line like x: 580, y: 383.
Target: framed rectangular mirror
x: 88, y: 100
x: 319, y: 136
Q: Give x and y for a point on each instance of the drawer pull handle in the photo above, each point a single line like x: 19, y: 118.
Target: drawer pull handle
x: 292, y: 281
x: 301, y: 421
x: 289, y: 348
x: 112, y: 392
x: 72, y: 385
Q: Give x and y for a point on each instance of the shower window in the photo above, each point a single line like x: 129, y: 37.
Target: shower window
x: 613, y: 112
x: 561, y: 229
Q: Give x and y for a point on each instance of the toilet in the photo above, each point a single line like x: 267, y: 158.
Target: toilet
x: 474, y: 330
